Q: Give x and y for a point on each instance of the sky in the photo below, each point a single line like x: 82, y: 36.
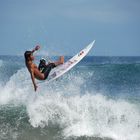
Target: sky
x: 64, y: 27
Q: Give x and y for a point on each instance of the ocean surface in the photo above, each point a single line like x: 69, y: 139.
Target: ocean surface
x: 99, y: 99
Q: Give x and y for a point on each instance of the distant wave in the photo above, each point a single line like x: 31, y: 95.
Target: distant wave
x: 1, y: 63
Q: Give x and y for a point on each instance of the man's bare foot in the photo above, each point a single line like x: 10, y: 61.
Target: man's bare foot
x: 61, y: 59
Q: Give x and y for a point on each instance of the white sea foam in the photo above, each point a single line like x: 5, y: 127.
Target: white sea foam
x: 91, y: 114
x: 16, y: 89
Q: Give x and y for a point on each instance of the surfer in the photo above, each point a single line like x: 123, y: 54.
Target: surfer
x: 42, y: 71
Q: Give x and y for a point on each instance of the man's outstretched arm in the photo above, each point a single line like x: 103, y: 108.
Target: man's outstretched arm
x: 33, y: 80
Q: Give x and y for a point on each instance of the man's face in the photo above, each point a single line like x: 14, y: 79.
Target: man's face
x: 32, y: 57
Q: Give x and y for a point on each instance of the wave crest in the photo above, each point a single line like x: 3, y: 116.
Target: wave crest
x: 90, y: 115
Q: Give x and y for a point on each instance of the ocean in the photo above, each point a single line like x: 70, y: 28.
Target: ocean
x: 99, y: 99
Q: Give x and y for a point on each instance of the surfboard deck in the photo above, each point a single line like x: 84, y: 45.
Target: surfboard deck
x: 62, y: 69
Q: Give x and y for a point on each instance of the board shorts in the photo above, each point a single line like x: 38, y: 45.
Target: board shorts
x: 46, y: 69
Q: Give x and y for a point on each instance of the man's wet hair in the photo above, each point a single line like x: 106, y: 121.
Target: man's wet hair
x: 27, y: 54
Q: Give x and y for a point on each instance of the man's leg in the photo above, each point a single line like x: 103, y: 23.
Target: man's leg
x: 60, y: 61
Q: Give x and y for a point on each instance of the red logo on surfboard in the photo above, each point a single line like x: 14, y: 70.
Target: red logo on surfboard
x: 80, y: 53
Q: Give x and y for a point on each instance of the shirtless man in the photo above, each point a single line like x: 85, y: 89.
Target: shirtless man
x: 33, y: 69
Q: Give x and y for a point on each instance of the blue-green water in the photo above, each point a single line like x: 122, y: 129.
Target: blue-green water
x: 99, y: 99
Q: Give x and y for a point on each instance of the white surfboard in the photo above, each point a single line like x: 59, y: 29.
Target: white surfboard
x: 61, y: 69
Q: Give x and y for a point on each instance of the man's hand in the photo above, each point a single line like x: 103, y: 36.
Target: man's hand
x: 35, y: 87
x: 37, y: 47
